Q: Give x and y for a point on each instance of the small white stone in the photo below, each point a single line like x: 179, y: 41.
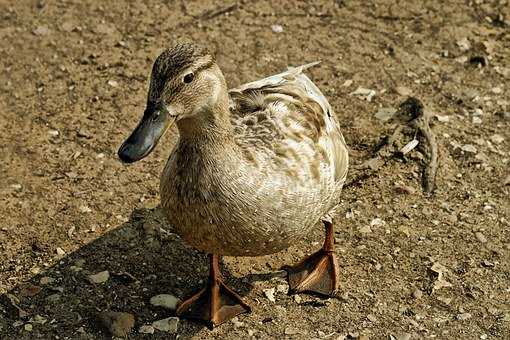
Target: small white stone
x: 16, y: 186
x: 269, y: 293
x: 497, y: 139
x: 146, y: 329
x: 169, y: 325
x: 377, y: 222
x: 477, y: 120
x: 497, y: 90
x: 100, y: 277
x: 53, y: 133
x: 277, y: 28
x: 443, y: 119
x: 113, y: 83
x: 469, y: 148
x: 85, y: 209
x: 282, y: 289
x: 60, y: 251
x: 477, y: 112
x: 28, y: 327
x: 165, y: 300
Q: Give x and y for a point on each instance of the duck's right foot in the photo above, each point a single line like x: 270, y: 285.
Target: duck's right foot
x: 214, y: 304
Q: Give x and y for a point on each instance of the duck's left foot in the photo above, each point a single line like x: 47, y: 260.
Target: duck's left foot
x: 317, y: 273
x: 214, y: 304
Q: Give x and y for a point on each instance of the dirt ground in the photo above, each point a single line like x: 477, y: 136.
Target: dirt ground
x: 73, y: 85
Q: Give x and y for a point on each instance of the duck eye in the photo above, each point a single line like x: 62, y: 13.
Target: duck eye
x: 188, y: 78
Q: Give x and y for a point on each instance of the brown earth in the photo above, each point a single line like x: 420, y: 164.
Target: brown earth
x: 74, y: 81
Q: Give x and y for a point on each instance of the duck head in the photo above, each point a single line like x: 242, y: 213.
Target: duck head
x: 186, y: 83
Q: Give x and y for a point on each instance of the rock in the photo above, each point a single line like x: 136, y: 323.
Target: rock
x: 443, y: 119
x: 365, y: 229
x: 28, y: 327
x: 347, y: 83
x: 277, y: 28
x: 497, y: 90
x: 363, y: 337
x: 403, y: 91
x: 385, y: 114
x: 237, y: 323
x: 404, y: 189
x: 469, y: 148
x: 377, y: 222
x: 298, y: 298
x: 417, y: 294
x: 366, y: 94
x: 53, y: 133
x: 284, y: 289
x: 404, y: 336
x: 372, y: 318
x: 39, y: 319
x: 497, y: 139
x: 60, y: 251
x: 165, y: 300
x: 477, y: 120
x: 30, y: 290
x: 117, y: 323
x: 464, y: 44
x: 146, y: 329
x: 269, y: 293
x: 41, y: 30
x: 444, y: 300
x: 113, y: 83
x: 16, y: 187
x: 84, y: 209
x: 169, y: 325
x: 480, y: 237
x: 53, y: 298
x: 464, y: 316
x: 100, y: 277
x: 291, y: 331
x: 46, y: 280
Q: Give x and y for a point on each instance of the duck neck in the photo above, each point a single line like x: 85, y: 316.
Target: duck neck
x: 211, y: 123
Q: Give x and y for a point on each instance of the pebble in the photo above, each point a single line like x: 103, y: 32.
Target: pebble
x: 60, y: 251
x: 100, y: 277
x: 477, y: 120
x: 464, y: 44
x: 480, y: 237
x: 443, y: 119
x: 113, y: 83
x: 165, y: 300
x: 464, y: 316
x: 365, y: 229
x: 28, y: 327
x: 377, y: 222
x: 41, y: 30
x: 497, y: 139
x: 366, y: 94
x: 84, y: 209
x: 53, y: 133
x: 30, y: 290
x: 291, y: 331
x: 269, y: 293
x: 298, y: 298
x: 403, y: 91
x: 169, y: 325
x: 470, y: 148
x: 146, y: 329
x: 497, y: 90
x: 117, y: 323
x: 282, y: 289
x: 385, y: 113
x: 372, y: 318
x: 417, y: 294
x: 16, y: 187
x: 277, y: 28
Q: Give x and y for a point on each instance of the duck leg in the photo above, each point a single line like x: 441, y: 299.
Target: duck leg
x: 317, y: 273
x: 214, y: 304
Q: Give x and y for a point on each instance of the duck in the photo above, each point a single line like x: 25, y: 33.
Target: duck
x: 254, y: 169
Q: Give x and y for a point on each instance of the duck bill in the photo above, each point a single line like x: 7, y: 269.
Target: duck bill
x: 155, y: 121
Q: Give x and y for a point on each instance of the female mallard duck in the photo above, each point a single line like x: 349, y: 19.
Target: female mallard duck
x: 253, y: 171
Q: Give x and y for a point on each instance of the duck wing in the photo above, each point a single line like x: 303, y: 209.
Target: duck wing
x: 284, y: 122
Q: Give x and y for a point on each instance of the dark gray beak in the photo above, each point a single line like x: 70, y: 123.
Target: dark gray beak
x: 145, y: 137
